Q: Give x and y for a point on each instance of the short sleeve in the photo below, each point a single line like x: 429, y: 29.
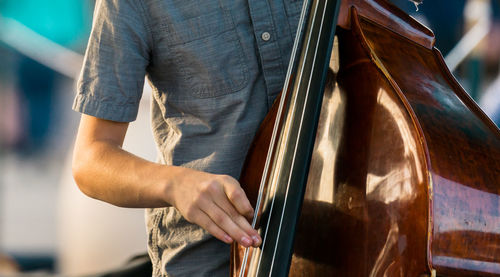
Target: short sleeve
x: 112, y: 78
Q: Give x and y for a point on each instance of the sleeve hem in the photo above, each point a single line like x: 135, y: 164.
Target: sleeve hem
x: 107, y: 111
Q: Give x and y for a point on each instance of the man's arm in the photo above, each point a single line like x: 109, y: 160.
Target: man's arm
x: 103, y: 170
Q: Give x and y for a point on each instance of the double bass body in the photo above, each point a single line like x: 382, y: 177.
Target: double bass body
x: 404, y: 178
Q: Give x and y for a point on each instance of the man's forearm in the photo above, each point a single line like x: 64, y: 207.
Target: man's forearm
x: 106, y: 172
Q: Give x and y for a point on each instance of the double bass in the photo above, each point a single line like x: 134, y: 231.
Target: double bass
x: 373, y: 161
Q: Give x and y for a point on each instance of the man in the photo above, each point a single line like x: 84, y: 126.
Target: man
x: 215, y: 68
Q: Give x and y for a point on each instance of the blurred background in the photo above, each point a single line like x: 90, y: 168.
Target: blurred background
x: 46, y: 225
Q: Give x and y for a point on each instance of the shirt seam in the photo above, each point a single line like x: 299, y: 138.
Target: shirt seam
x: 147, y: 24
x: 277, y: 41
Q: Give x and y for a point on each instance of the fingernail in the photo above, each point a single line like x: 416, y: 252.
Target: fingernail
x: 256, y: 239
x: 246, y: 241
x: 228, y: 239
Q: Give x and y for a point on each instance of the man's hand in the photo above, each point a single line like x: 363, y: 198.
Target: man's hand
x: 217, y: 203
x: 103, y: 170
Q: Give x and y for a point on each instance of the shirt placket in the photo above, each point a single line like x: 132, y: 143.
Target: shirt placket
x: 267, y: 46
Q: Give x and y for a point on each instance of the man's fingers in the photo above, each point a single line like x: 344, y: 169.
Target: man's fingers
x: 226, y: 223
x: 236, y: 217
x: 206, y: 223
x: 243, y: 223
x: 237, y: 197
x: 220, y: 207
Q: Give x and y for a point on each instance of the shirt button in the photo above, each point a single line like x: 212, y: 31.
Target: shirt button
x: 265, y: 36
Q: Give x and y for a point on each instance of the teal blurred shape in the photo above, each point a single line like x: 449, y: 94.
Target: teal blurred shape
x: 66, y: 22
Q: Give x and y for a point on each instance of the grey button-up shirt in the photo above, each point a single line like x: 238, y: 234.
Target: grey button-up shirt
x: 215, y: 67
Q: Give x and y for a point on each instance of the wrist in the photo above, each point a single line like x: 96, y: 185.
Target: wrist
x: 170, y: 178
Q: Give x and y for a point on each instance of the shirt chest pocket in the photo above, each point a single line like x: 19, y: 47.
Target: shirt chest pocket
x: 206, y: 55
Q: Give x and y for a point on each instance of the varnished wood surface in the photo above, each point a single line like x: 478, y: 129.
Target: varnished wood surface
x: 366, y: 181
x: 464, y: 155
x: 405, y: 173
x: 387, y: 15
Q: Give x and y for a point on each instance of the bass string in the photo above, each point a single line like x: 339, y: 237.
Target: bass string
x: 286, y: 140
x: 300, y: 128
x: 300, y: 28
